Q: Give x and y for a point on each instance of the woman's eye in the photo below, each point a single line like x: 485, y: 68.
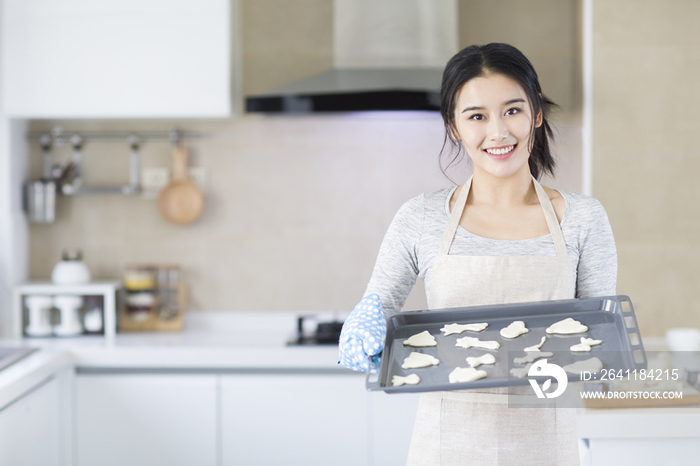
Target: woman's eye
x: 512, y: 111
x: 477, y: 116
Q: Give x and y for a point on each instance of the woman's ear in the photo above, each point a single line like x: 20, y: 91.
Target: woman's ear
x: 538, y: 120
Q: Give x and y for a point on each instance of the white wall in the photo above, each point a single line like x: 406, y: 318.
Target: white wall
x: 13, y: 225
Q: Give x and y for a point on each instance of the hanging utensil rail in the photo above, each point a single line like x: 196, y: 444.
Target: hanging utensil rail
x: 58, y: 137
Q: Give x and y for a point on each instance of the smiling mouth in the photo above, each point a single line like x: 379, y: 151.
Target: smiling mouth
x: 500, y: 151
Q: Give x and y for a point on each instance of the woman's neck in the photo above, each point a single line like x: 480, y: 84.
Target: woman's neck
x: 515, y: 190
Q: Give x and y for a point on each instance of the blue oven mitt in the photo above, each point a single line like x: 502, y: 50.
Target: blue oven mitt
x: 363, y: 335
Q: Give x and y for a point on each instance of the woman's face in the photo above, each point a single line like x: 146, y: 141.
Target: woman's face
x: 493, y: 120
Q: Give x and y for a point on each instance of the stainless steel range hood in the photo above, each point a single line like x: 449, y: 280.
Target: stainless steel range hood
x: 388, y: 55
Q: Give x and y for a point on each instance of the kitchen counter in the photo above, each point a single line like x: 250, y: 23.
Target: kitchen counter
x: 91, y: 395
x: 30, y: 371
x: 640, y: 436
x: 224, y: 342
x: 257, y: 343
x: 211, y: 342
x: 658, y: 422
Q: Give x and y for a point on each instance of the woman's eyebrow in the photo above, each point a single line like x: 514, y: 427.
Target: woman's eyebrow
x: 509, y: 102
x: 469, y: 109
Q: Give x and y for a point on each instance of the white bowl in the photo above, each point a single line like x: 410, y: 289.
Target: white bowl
x: 683, y: 339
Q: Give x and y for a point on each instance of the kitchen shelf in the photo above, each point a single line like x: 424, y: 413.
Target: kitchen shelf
x: 105, y: 289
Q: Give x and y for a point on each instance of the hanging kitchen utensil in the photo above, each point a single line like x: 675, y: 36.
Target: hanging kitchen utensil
x: 40, y: 201
x: 180, y: 201
x: 39, y: 197
x: 46, y: 144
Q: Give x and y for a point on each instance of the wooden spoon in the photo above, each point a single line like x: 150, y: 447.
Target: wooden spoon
x: 180, y: 201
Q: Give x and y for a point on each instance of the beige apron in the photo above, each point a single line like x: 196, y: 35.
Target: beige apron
x: 476, y: 427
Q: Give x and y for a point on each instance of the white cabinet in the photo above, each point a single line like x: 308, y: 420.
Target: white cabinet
x: 392, y: 419
x: 310, y: 419
x: 116, y: 58
x: 146, y: 419
x: 30, y: 428
x: 293, y: 417
x: 644, y: 451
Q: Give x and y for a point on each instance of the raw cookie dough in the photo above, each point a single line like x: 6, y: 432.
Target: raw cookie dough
x: 449, y: 329
x: 398, y: 380
x: 466, y: 374
x: 483, y: 359
x: 514, y: 330
x: 468, y: 342
x: 532, y: 356
x: 416, y: 360
x: 567, y: 327
x: 536, y: 347
x: 420, y: 339
x: 592, y: 365
x: 520, y: 372
x: 586, y: 344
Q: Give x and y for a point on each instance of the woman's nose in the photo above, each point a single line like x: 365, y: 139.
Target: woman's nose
x: 497, y: 130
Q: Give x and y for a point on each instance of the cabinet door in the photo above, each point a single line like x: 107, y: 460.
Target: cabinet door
x: 392, y: 419
x: 145, y: 419
x: 116, y: 58
x: 29, y: 428
x: 644, y: 451
x: 309, y: 419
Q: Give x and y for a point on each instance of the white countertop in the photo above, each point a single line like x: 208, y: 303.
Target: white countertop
x: 211, y: 340
x: 656, y: 422
x: 30, y: 371
x: 244, y: 341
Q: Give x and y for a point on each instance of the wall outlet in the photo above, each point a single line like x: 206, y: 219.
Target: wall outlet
x: 153, y: 179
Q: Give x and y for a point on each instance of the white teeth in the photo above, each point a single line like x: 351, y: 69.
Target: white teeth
x: 501, y: 151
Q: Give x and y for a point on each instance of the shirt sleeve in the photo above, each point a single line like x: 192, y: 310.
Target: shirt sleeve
x: 597, y: 266
x: 396, y: 269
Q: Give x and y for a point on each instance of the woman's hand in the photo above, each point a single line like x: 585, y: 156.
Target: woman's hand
x: 362, y: 338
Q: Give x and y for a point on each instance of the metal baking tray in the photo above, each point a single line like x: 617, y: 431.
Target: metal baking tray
x: 609, y: 318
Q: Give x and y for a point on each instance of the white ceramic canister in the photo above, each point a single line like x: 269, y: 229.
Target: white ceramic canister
x: 94, y: 316
x: 39, y: 316
x: 71, y: 270
x: 69, y: 307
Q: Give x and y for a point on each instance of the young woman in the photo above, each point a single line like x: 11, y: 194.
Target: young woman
x: 498, y: 238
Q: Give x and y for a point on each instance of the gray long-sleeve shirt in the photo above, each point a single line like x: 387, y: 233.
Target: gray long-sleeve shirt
x: 412, y: 241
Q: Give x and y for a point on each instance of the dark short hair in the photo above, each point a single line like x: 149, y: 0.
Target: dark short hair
x: 478, y: 60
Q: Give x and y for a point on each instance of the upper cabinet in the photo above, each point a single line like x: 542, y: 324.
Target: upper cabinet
x: 117, y: 58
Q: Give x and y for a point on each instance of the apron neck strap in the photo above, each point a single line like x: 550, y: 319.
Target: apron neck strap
x: 547, y: 208
x: 455, y: 217
x: 551, y: 218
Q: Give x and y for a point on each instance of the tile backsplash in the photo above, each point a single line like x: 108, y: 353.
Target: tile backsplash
x: 295, y: 206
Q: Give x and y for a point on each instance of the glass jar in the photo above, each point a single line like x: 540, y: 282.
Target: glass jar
x: 140, y: 278
x: 168, y: 291
x: 140, y: 286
